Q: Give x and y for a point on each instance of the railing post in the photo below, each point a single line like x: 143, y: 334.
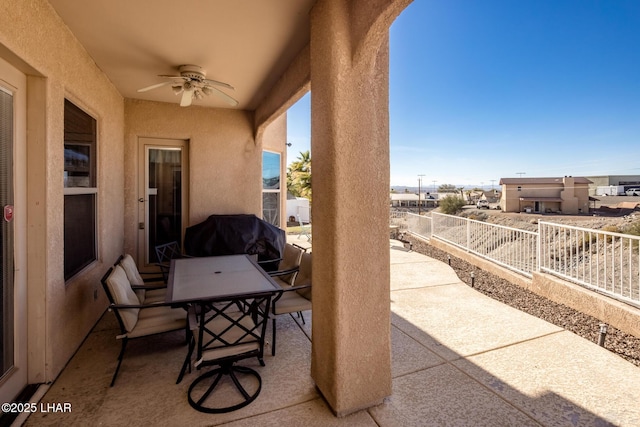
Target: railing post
x: 539, y: 249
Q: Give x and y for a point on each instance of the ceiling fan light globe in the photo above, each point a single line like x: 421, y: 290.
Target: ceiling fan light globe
x: 207, y: 90
x: 176, y: 89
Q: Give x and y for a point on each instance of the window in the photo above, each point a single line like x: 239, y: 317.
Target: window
x: 271, y: 187
x: 79, y: 189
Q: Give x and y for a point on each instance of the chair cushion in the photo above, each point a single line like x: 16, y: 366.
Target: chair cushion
x: 154, y: 296
x: 291, y: 257
x: 121, y: 291
x: 158, y: 319
x: 283, y: 283
x: 130, y: 267
x: 291, y: 302
x: 304, y: 276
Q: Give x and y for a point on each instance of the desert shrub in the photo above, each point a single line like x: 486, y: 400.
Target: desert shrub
x: 451, y: 205
x: 478, y: 216
x: 612, y: 229
x: 633, y: 229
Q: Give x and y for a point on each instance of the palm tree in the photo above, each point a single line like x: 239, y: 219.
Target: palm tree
x: 299, y: 176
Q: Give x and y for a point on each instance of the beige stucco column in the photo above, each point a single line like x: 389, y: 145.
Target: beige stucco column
x: 351, y: 360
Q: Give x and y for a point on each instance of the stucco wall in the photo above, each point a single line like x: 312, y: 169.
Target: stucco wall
x: 35, y: 40
x: 225, y: 162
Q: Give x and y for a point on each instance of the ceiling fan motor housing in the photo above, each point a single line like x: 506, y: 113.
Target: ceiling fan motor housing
x: 193, y: 72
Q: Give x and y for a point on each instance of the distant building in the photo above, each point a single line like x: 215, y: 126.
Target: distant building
x: 298, y: 208
x: 410, y: 200
x: 492, y: 196
x: 627, y: 181
x: 566, y: 195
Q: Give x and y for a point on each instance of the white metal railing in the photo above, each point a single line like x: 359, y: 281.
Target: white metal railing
x: 420, y: 225
x: 603, y: 261
x: 512, y: 248
x: 398, y: 219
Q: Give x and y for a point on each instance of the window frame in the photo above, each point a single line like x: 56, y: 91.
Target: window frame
x: 267, y: 190
x: 71, y: 189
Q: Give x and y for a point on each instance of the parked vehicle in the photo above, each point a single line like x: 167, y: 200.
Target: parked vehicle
x: 610, y: 190
x: 633, y: 192
x: 482, y: 204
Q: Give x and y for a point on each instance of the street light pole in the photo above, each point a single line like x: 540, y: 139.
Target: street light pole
x: 419, y: 191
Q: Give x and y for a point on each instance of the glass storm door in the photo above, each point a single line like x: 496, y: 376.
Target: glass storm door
x: 13, y: 351
x: 164, y: 194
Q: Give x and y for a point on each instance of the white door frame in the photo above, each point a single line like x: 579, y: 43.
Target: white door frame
x: 144, y: 144
x: 15, y: 82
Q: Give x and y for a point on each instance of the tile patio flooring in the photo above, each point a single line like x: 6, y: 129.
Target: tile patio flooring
x: 459, y: 359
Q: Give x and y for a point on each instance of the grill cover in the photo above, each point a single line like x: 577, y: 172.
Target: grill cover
x: 235, y: 234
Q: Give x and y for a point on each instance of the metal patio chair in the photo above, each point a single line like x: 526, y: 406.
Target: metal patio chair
x: 293, y: 299
x: 222, y: 336
x: 288, y: 266
x: 149, y: 287
x: 164, y: 254
x: 305, y: 229
x: 138, y: 320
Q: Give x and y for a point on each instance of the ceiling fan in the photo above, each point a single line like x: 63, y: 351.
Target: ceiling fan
x: 192, y: 84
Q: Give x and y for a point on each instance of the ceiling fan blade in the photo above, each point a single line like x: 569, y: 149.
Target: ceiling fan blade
x: 187, y: 97
x: 223, y: 95
x: 174, y: 77
x: 144, y: 89
x: 217, y: 83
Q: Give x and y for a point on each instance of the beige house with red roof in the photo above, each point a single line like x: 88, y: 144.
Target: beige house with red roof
x: 566, y: 195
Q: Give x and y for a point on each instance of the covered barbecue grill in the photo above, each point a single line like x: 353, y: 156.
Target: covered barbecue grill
x: 235, y: 234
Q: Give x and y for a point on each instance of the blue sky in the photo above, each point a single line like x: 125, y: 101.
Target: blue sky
x: 483, y: 90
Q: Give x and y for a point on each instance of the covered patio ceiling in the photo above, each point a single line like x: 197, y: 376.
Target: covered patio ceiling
x: 247, y: 44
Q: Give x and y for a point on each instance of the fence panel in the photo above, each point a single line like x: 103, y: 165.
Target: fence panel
x: 510, y: 247
x: 420, y: 225
x: 601, y: 260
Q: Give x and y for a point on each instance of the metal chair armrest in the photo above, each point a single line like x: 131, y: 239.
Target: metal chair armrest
x: 143, y: 306
x: 281, y: 292
x: 283, y: 272
x: 148, y: 287
x: 299, y: 247
x: 298, y: 287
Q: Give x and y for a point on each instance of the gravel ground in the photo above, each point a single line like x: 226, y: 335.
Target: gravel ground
x: 618, y: 342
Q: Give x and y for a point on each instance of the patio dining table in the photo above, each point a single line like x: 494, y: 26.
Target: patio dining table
x: 223, y: 281
x: 216, y: 278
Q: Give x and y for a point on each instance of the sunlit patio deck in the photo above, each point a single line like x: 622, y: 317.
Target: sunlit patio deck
x: 459, y: 359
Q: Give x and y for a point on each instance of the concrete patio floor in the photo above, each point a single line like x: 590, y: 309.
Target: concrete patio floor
x: 459, y: 359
